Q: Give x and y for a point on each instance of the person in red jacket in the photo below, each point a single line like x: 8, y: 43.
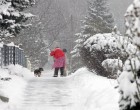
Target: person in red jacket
x: 59, y: 61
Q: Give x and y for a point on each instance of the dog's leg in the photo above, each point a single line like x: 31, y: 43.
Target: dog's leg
x: 35, y: 74
x: 39, y: 74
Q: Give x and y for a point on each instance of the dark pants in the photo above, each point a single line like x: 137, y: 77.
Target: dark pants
x: 61, y: 71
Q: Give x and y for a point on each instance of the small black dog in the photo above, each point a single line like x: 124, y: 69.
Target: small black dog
x: 37, y: 72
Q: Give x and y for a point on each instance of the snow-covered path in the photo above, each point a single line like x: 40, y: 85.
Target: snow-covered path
x: 49, y: 94
x: 82, y: 91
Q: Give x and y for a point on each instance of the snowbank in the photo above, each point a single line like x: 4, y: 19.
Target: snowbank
x: 20, y: 71
x: 13, y: 87
x: 95, y: 92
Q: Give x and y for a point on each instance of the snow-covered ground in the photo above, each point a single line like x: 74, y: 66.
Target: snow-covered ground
x: 82, y: 90
x: 14, y: 88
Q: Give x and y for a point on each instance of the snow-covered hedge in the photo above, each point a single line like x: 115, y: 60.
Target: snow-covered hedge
x: 111, y: 44
x: 107, y: 46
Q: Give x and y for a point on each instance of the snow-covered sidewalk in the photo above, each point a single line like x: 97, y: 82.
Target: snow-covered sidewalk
x: 81, y: 91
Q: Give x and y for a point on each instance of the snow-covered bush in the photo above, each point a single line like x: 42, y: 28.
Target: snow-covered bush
x: 129, y: 79
x: 12, y: 17
x: 113, y: 45
x: 100, y: 47
x: 112, y: 66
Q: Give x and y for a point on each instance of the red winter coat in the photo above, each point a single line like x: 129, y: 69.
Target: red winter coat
x: 57, y: 53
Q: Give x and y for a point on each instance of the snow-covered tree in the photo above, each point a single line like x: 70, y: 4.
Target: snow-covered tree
x: 76, y: 58
x: 12, y: 17
x: 98, y: 20
x: 129, y: 79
